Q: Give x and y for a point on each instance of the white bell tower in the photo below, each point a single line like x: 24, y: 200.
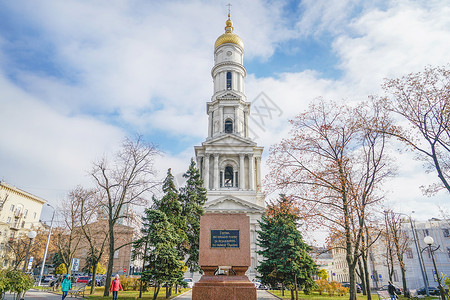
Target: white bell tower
x: 229, y: 161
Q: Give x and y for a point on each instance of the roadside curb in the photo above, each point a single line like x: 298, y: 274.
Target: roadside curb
x: 182, y: 294
x: 274, y: 295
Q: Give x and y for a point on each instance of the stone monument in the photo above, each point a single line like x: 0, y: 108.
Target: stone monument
x: 224, y: 246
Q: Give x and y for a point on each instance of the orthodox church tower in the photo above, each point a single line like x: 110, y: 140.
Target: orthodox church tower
x: 229, y: 161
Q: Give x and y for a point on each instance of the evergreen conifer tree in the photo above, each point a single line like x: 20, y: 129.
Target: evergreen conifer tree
x: 192, y: 198
x: 286, y: 259
x: 162, y: 262
x: 170, y: 205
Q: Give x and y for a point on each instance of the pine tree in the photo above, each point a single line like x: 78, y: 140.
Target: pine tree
x: 159, y: 239
x: 170, y: 205
x: 192, y: 198
x: 286, y: 258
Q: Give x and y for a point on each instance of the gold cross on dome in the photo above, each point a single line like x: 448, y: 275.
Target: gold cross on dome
x: 229, y: 8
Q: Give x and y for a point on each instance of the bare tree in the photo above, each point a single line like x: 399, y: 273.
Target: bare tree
x: 400, y: 240
x: 67, y: 237
x: 333, y: 163
x: 93, y: 228
x: 423, y: 100
x: 125, y: 182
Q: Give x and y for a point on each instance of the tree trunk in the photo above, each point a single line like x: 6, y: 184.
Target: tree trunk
x: 402, y: 268
x: 94, y: 274
x: 155, y: 293
x: 367, y: 277
x: 110, y: 259
x: 296, y: 288
x: 361, y: 275
x: 282, y: 290
x: 292, y: 294
x: 352, y: 277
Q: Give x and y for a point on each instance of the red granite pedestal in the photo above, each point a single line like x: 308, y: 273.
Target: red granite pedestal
x: 219, y: 287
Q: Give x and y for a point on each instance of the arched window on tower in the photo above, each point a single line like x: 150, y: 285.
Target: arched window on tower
x: 228, y: 80
x: 228, y: 126
x: 228, y: 176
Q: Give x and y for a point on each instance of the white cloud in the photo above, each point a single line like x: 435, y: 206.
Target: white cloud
x: 145, y: 66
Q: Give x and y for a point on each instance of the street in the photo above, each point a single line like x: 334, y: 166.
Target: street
x: 35, y: 294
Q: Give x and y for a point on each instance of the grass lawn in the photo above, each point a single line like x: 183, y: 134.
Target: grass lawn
x: 316, y: 296
x: 132, y: 295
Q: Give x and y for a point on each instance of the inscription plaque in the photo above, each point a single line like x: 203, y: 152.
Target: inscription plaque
x: 224, y: 238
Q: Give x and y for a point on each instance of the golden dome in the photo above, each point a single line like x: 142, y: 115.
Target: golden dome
x: 229, y: 36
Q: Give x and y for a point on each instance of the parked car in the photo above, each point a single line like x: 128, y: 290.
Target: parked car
x: 260, y: 286
x: 433, y: 291
x: 398, y: 290
x: 84, y: 279
x: 190, y: 282
x: 48, y: 279
x: 347, y: 285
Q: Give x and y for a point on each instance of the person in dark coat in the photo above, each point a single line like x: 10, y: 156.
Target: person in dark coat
x: 392, y: 291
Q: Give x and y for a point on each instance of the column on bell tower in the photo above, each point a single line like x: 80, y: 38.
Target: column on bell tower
x: 241, y: 171
x: 206, y: 175
x: 251, y: 175
x: 216, y: 171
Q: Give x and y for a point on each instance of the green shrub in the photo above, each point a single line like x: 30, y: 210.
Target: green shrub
x: 15, y: 281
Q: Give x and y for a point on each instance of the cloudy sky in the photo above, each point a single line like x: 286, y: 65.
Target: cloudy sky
x: 76, y: 77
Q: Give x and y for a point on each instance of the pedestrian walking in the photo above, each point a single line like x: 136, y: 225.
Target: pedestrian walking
x: 392, y: 291
x: 65, y: 286
x: 115, y: 286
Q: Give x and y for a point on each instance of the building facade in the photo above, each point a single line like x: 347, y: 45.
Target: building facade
x: 123, y: 237
x: 229, y: 161
x: 439, y: 230
x: 20, y: 213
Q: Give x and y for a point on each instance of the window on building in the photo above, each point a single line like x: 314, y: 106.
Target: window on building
x: 34, y: 215
x: 409, y: 253
x: 11, y: 208
x: 8, y: 220
x: 25, y: 213
x: 426, y: 232
x: 395, y: 275
x: 220, y: 179
x: 228, y: 176
x: 228, y: 126
x: 237, y: 179
x: 116, y: 254
x: 446, y: 232
x: 5, y: 263
x: 23, y: 224
x: 228, y: 80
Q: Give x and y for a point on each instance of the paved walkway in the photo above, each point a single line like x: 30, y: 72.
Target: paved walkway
x: 261, y: 295
x: 35, y: 294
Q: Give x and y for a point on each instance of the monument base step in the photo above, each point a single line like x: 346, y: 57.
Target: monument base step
x: 224, y: 287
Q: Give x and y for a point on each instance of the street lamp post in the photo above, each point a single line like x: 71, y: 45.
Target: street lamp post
x: 418, y: 252
x: 429, y: 241
x: 46, y: 246
x: 31, y: 235
x: 419, y: 256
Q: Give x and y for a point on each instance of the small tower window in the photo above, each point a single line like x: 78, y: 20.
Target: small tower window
x: 229, y: 176
x: 228, y: 80
x: 228, y: 126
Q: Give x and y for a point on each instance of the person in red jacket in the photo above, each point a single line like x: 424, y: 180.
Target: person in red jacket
x: 115, y: 286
